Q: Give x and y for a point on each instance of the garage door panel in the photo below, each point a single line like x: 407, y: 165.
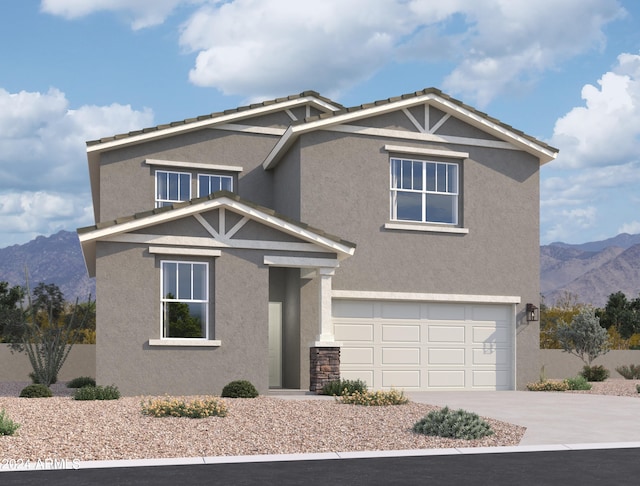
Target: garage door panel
x: 446, y: 334
x: 400, y: 333
x: 401, y: 378
x: 446, y: 356
x: 423, y: 345
x: 490, y: 379
x: 391, y: 356
x: 483, y: 334
x: 445, y: 312
x: 347, y: 308
x: 446, y: 378
x: 360, y: 356
x: 354, y: 332
x: 400, y: 310
x: 490, y: 356
x: 366, y: 376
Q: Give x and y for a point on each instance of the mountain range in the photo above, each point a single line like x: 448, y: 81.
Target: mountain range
x: 590, y: 271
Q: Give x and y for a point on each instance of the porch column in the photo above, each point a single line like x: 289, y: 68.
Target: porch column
x: 326, y: 337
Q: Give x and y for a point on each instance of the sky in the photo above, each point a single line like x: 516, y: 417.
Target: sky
x: 564, y: 71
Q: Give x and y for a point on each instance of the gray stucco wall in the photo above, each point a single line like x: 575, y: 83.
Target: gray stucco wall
x: 345, y: 191
x: 80, y: 362
x: 128, y: 313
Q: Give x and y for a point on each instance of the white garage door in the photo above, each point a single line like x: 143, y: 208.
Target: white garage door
x: 425, y: 346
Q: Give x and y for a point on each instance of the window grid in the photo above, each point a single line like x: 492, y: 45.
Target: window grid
x: 172, y: 187
x: 417, y: 179
x: 208, y: 184
x: 170, y: 276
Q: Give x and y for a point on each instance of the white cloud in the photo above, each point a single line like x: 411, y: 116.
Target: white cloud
x: 141, y: 13
x: 632, y: 228
x: 43, y: 164
x: 266, y: 48
x: 606, y: 130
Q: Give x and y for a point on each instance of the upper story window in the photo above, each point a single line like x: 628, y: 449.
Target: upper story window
x: 208, y: 184
x: 185, y: 299
x: 424, y: 191
x: 172, y: 187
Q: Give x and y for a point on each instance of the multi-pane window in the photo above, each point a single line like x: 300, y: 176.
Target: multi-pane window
x: 424, y: 191
x: 208, y: 184
x: 185, y: 299
x: 172, y: 187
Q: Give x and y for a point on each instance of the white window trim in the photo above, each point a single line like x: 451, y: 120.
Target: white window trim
x: 155, y: 194
x: 211, y: 175
x: 193, y: 165
x: 204, y: 252
x: 402, y: 149
x: 185, y: 342
x: 424, y: 192
x: 424, y: 227
x: 182, y: 341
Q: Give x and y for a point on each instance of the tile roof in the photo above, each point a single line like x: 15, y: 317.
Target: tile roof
x: 212, y: 197
x: 214, y: 115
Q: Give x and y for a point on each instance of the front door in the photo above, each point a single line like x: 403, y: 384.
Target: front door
x: 275, y: 344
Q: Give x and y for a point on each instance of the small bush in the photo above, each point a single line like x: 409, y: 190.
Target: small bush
x: 638, y: 388
x: 239, y: 389
x: 36, y: 390
x: 110, y: 392
x: 458, y: 424
x: 343, y: 387
x: 578, y: 383
x: 81, y: 381
x: 173, y: 407
x: 631, y: 372
x: 548, y: 385
x: 374, y: 398
x: 595, y: 373
x: 7, y: 426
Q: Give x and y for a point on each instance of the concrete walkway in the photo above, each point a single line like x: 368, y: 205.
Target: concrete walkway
x: 550, y: 418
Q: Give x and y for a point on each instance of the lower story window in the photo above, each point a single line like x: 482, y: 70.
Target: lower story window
x: 185, y: 299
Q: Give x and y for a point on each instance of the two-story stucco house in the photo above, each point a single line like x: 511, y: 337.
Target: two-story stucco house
x: 293, y: 240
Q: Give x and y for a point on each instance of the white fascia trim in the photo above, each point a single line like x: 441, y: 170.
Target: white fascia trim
x: 185, y: 342
x: 164, y: 250
x: 425, y: 228
x: 190, y: 209
x: 545, y: 155
x: 236, y: 127
x: 300, y: 262
x: 210, y: 122
x: 193, y: 165
x: 166, y: 240
x: 423, y: 137
x: 403, y: 149
x: 425, y: 297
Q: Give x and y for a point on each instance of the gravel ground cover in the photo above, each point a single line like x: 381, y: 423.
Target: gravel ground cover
x: 62, y: 428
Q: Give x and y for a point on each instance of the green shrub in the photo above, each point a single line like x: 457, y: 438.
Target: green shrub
x: 7, y: 426
x: 374, y: 398
x: 578, y: 383
x: 638, y: 388
x: 110, y: 392
x: 36, y: 390
x: 631, y: 372
x: 548, y: 385
x: 81, y: 381
x: 173, y: 407
x: 458, y: 424
x: 595, y: 373
x: 343, y: 387
x: 239, y: 389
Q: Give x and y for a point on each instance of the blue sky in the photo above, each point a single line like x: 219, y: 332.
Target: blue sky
x: 565, y: 71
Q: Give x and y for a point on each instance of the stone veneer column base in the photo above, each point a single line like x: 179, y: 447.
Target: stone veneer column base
x: 325, y: 367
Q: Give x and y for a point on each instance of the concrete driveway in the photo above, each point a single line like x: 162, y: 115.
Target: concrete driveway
x: 550, y: 418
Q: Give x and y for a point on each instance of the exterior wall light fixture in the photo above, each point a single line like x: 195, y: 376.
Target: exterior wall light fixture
x: 532, y: 312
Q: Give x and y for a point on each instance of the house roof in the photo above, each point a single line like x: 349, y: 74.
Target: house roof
x: 432, y: 96
x: 89, y: 235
